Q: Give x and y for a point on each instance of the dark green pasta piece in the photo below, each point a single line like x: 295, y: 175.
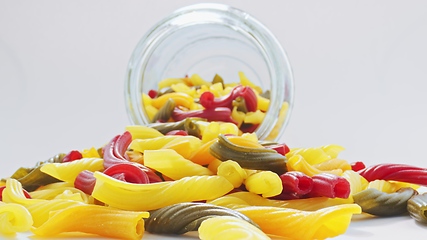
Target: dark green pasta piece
x: 417, y: 208
x: 379, y: 203
x: 266, y: 94
x: 165, y: 112
x: 189, y: 125
x: 32, y: 178
x: 218, y: 79
x: 240, y: 103
x: 251, y: 158
x: 185, y: 217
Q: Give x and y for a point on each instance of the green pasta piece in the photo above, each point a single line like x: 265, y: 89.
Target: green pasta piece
x: 379, y: 203
x: 164, y: 91
x: 240, y: 103
x: 218, y: 79
x: 165, y: 112
x: 189, y: 125
x: 251, y: 158
x: 185, y: 217
x: 417, y: 207
x: 266, y: 94
x: 32, y: 178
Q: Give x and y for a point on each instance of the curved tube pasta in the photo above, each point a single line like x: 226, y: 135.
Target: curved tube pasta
x: 227, y: 227
x: 396, y: 172
x: 296, y: 224
x: 329, y: 185
x: 306, y: 204
x: 129, y: 196
x: 266, y: 183
x: 417, y: 207
x: 380, y: 203
x: 61, y: 192
x: 165, y: 111
x: 94, y: 219
x: 357, y: 182
x: 296, y: 183
x: 316, y: 155
x: 142, y: 132
x: 14, y: 218
x: 68, y: 171
x: 232, y: 171
x: 173, y: 165
x: 185, y: 217
x: 251, y: 158
x: 189, y: 125
x: 332, y: 164
x: 298, y: 163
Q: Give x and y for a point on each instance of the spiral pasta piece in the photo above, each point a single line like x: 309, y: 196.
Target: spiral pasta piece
x: 298, y: 163
x: 396, y: 172
x: 251, y: 158
x: 380, y: 203
x: 227, y: 227
x: 94, y: 219
x: 232, y: 171
x: 14, y: 218
x: 296, y: 224
x: 307, y: 204
x: 184, y: 145
x: 173, y: 165
x: 152, y: 196
x: 38, y: 208
x: 68, y: 171
x: 266, y: 183
x: 184, y: 217
x: 417, y: 207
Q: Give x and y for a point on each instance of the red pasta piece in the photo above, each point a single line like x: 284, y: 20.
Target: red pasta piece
x: 357, y: 166
x: 329, y: 185
x: 85, y: 181
x: 114, y: 153
x: 177, y: 132
x: 396, y: 172
x: 280, y: 148
x: 208, y: 100
x: 127, y: 172
x: 296, y: 183
x: 72, y: 155
x: 221, y: 114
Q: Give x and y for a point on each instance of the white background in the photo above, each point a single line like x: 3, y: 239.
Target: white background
x: 360, y: 72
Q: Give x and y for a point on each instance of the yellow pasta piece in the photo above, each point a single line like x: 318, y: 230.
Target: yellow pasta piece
x: 14, y: 218
x: 296, y: 224
x: 196, y: 80
x: 201, y: 155
x: 227, y: 227
x: 266, y: 183
x: 280, y: 122
x: 233, y: 172
x: 68, y: 171
x: 246, y: 82
x: 130, y: 196
x: 184, y: 88
x: 332, y: 150
x: 247, y: 198
x: 298, y: 163
x: 181, y: 99
x: 167, y: 82
x: 173, y: 165
x: 389, y: 186
x: 262, y: 103
x: 213, y: 165
x: 211, y: 131
x: 142, y: 132
x: 254, y: 117
x: 184, y: 145
x: 38, y: 208
x: 238, y: 116
x: 316, y: 155
x: 216, y: 89
x: 90, y: 153
x: 333, y: 164
x: 228, y: 128
x: 59, y: 192
x: 94, y: 219
x: 357, y: 182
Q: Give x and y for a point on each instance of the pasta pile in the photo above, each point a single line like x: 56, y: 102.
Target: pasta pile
x: 213, y: 177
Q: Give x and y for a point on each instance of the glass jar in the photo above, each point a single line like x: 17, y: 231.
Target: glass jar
x: 210, y: 39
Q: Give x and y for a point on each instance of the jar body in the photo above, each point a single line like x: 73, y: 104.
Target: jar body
x: 209, y: 39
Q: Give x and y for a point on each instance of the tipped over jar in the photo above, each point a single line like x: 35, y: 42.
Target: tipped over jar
x: 217, y: 49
